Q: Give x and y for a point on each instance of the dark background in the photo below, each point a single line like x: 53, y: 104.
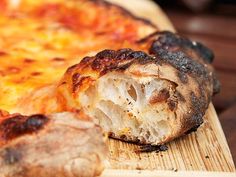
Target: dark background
x: 213, y: 22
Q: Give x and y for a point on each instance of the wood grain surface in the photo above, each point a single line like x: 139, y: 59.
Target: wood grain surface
x: 192, y: 155
x: 203, y: 150
x: 161, y: 173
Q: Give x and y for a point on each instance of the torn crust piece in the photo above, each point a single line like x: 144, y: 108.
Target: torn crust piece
x: 64, y: 145
x: 143, y: 98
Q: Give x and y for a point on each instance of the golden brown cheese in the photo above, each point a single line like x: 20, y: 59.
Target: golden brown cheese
x: 39, y: 40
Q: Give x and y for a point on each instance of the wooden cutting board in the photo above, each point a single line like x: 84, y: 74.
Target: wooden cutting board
x: 201, y: 153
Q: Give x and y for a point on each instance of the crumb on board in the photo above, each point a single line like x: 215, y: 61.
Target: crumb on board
x: 151, y: 148
x: 138, y: 168
x: 174, y: 169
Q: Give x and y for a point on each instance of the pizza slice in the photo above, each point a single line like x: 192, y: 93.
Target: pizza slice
x: 139, y: 85
x: 39, y: 40
x: 61, y: 144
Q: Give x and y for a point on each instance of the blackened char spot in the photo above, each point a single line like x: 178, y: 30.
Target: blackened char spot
x: 35, y: 122
x: 193, y: 129
x: 139, y: 55
x: 151, y: 148
x: 174, y: 42
x: 198, y: 108
x: 19, y: 125
x: 122, y: 54
x: 110, y: 60
x: 183, y: 63
x: 106, y: 54
x: 183, y: 77
x: 124, y: 137
x: 12, y: 155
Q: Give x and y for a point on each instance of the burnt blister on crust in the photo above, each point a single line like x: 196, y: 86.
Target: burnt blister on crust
x: 198, y: 108
x: 181, y: 62
x: 185, y: 55
x: 190, y: 59
x: 183, y: 77
x: 173, y: 42
x: 19, y: 125
x: 193, y: 129
x: 110, y: 60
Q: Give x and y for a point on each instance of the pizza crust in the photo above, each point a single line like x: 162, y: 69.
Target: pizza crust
x: 146, y: 98
x: 62, y: 144
x: 149, y: 10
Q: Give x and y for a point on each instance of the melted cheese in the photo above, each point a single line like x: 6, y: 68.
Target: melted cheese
x: 39, y: 40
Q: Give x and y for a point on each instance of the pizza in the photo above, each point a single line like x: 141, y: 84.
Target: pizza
x: 147, y: 97
x: 83, y: 68
x: 45, y: 145
x: 39, y: 40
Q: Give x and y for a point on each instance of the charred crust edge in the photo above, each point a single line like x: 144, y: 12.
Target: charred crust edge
x: 194, y: 119
x: 186, y: 66
x: 18, y: 125
x: 181, y: 62
x: 143, y: 147
x: 173, y: 42
x: 110, y: 60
